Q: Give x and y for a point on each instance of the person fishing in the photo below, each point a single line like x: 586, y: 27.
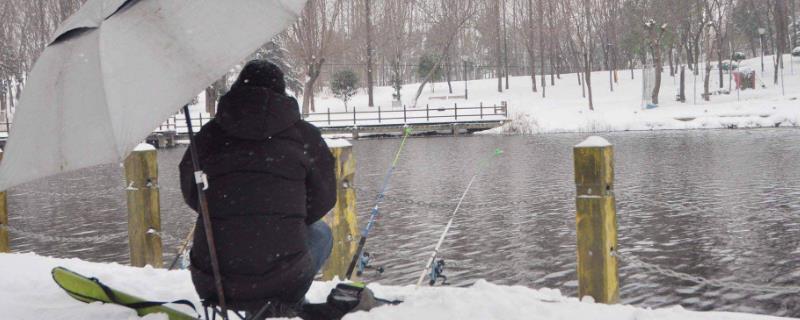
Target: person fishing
x: 270, y: 181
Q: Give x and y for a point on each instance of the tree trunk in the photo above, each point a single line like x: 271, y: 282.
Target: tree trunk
x: 587, y: 53
x: 505, y: 42
x: 682, y: 90
x: 719, y: 60
x: 368, y: 14
x: 308, y: 89
x: 706, y: 93
x: 671, y: 64
x: 498, y: 47
x: 531, y: 41
x: 780, y: 36
x: 657, y: 64
x: 448, y: 75
x: 540, y: 8
x: 213, y: 93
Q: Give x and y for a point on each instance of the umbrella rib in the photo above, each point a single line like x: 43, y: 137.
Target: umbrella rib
x: 111, y: 123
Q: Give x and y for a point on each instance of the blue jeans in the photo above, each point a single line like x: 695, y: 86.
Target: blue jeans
x: 320, y: 243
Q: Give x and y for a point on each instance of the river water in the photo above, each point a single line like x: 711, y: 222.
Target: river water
x: 718, y: 204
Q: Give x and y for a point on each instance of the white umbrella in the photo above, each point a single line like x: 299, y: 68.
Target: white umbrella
x: 117, y: 69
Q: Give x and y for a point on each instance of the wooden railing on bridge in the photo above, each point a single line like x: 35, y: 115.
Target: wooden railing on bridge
x: 406, y: 115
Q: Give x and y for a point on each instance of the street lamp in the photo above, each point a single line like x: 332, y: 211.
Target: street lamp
x: 761, y: 32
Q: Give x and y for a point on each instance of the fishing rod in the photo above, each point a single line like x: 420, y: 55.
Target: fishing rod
x: 429, y: 264
x: 376, y: 209
x: 184, y: 247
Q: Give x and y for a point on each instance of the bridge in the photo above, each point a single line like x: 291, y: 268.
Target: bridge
x: 368, y: 121
x: 432, y: 120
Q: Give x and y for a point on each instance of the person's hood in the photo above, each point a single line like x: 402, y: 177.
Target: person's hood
x: 256, y: 113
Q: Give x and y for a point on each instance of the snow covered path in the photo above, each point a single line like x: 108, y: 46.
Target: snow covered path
x: 28, y: 292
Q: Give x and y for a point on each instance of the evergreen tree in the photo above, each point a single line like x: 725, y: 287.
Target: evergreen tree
x: 344, y: 85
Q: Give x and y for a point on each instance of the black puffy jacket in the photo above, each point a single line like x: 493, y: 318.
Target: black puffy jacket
x: 270, y: 175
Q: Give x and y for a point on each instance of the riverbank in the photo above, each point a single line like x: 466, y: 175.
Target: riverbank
x: 565, y: 110
x: 28, y: 292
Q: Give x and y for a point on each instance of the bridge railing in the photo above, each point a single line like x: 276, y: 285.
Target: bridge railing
x: 5, y: 128
x: 406, y: 115
x: 177, y: 123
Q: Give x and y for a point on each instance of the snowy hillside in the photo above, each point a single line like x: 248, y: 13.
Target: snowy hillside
x: 30, y: 293
x: 564, y: 110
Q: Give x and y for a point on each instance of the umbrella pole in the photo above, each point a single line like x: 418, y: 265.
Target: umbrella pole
x: 201, y: 186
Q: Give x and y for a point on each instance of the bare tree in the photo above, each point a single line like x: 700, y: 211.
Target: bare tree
x: 530, y: 43
x: 310, y: 39
x: 449, y: 16
x: 654, y: 36
x: 781, y: 35
x: 368, y: 24
x: 498, y: 51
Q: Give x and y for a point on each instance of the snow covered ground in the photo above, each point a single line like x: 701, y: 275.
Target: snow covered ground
x: 28, y: 292
x: 565, y: 110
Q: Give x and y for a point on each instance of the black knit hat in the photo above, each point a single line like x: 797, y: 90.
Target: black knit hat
x: 261, y: 73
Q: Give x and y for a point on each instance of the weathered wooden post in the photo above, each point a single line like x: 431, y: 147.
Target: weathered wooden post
x: 596, y: 220
x: 427, y: 112
x: 343, y: 220
x: 144, y: 213
x: 4, y: 243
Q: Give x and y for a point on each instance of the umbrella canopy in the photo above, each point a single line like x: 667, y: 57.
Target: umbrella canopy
x: 116, y: 69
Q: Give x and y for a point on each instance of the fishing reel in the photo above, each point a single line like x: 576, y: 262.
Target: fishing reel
x: 437, y: 271
x: 364, y: 264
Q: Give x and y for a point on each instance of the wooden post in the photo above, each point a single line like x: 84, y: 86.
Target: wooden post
x: 343, y: 220
x: 596, y: 220
x: 455, y: 108
x: 404, y: 114
x: 354, y: 116
x: 5, y: 247
x: 427, y: 113
x: 329, y: 116
x: 144, y: 213
x: 481, y: 110
x: 379, y: 114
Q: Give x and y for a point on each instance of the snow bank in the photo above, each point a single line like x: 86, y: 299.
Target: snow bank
x: 28, y: 292
x: 565, y: 110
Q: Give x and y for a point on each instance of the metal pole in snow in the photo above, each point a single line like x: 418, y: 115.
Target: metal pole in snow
x: 202, y: 184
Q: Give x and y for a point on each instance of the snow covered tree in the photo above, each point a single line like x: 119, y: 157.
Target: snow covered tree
x: 344, y: 85
x: 310, y: 39
x: 277, y: 54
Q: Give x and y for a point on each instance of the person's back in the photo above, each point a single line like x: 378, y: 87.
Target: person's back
x: 271, y: 179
